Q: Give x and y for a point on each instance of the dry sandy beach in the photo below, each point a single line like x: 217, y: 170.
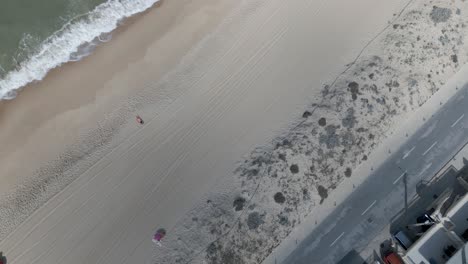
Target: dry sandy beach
x: 248, y: 106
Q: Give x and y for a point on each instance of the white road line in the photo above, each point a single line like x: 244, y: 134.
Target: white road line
x: 336, y: 240
x: 458, y: 120
x: 397, y: 179
x: 425, y: 152
x: 370, y: 206
x: 408, y: 153
x: 425, y: 169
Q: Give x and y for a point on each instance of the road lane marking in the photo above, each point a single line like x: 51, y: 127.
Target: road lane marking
x: 425, y: 169
x: 336, y: 240
x: 408, y: 153
x: 397, y: 179
x: 425, y: 152
x: 458, y: 120
x: 370, y: 206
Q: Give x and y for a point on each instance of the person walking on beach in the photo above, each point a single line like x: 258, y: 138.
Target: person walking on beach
x: 139, y: 120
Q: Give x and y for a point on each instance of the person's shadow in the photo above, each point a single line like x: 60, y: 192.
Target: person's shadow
x: 3, y: 259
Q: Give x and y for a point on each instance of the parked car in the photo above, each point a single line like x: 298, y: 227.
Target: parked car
x: 392, y: 258
x: 402, y: 239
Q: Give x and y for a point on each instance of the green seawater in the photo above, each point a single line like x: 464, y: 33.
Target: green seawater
x: 25, y: 24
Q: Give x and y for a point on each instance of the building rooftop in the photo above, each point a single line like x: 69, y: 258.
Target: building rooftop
x: 432, y: 247
x: 460, y: 257
x: 458, y: 215
x: 442, y: 242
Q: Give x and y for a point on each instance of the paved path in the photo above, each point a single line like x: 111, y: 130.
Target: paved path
x: 356, y: 221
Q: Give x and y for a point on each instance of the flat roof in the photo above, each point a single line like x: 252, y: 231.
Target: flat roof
x: 460, y: 257
x: 429, y: 249
x: 458, y: 215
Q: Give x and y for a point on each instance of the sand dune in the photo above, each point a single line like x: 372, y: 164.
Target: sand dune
x: 212, y: 80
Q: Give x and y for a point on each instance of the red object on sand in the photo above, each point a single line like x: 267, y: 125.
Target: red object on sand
x: 159, y: 235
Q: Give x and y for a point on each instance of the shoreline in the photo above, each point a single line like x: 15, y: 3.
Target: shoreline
x: 76, y: 85
x: 77, y: 35
x: 43, y: 124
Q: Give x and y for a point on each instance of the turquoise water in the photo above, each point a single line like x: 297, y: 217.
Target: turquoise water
x: 38, y: 35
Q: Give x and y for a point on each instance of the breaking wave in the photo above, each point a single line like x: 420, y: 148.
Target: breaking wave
x: 75, y: 40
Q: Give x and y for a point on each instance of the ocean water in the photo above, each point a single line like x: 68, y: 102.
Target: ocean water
x: 39, y: 35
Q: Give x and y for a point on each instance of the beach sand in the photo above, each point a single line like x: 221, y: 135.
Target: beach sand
x: 213, y: 80
x: 49, y: 115
x: 58, y: 127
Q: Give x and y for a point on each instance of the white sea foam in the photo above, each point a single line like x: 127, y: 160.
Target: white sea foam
x: 72, y: 42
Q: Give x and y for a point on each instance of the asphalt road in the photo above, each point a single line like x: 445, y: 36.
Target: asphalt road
x: 356, y: 221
